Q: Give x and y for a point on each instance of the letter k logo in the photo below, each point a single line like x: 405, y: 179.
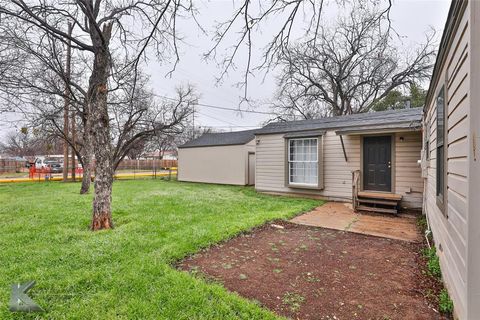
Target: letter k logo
x: 20, y: 302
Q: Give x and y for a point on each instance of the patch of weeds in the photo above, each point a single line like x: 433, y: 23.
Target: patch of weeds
x: 277, y: 270
x: 445, y: 304
x: 433, y: 262
x: 304, y: 247
x: 293, y: 301
x: 422, y: 222
x: 242, y: 276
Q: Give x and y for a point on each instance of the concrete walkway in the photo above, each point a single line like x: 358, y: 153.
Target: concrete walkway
x: 340, y: 216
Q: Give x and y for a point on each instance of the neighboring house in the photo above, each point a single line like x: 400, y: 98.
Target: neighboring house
x: 317, y: 157
x: 452, y: 168
x: 225, y: 158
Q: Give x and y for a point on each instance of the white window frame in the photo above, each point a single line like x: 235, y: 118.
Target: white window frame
x: 290, y: 161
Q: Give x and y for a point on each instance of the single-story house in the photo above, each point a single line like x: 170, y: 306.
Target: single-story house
x: 318, y: 157
x: 373, y: 159
x: 452, y: 159
x: 224, y: 158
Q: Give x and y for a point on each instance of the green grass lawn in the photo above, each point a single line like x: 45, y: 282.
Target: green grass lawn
x: 126, y: 273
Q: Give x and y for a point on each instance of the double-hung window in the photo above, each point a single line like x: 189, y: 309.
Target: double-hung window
x: 440, y: 146
x: 303, y: 161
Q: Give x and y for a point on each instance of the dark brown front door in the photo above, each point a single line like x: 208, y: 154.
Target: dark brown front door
x: 377, y: 163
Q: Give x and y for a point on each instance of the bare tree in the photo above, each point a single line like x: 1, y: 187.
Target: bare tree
x: 286, y: 20
x: 147, y: 118
x: 29, y: 142
x: 20, y: 143
x: 35, y: 82
x: 111, y: 35
x: 349, y: 67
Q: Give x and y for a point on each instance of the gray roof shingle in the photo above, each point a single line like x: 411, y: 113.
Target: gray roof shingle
x: 221, y: 139
x: 404, y: 118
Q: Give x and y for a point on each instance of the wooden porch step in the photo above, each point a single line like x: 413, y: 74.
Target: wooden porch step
x: 380, y: 195
x: 375, y: 201
x: 372, y: 209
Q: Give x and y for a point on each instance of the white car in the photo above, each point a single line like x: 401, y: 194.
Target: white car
x: 40, y: 163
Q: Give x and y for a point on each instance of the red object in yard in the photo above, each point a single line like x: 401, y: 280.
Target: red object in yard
x: 35, y: 173
x: 31, y: 171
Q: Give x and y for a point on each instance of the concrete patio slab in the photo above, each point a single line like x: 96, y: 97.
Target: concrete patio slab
x: 340, y: 216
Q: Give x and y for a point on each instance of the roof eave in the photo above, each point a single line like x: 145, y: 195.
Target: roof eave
x: 215, y: 145
x: 381, y: 129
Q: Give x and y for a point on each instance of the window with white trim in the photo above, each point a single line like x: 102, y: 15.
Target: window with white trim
x: 303, y: 161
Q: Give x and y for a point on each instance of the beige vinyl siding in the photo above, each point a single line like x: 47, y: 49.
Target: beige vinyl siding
x: 473, y: 238
x: 408, y: 173
x: 217, y: 164
x: 270, y: 174
x: 450, y: 233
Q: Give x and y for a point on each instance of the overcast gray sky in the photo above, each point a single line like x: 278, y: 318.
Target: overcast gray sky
x: 411, y: 20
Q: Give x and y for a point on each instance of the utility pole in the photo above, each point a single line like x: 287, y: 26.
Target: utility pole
x: 193, y: 122
x: 73, y: 130
x: 66, y: 118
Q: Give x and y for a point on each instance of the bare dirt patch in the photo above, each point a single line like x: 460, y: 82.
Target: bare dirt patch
x: 315, y: 273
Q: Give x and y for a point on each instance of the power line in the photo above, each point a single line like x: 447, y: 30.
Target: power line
x: 214, y: 118
x: 221, y: 108
x: 230, y: 127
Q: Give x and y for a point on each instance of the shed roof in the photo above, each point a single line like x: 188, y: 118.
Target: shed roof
x: 390, y: 120
x: 221, y: 139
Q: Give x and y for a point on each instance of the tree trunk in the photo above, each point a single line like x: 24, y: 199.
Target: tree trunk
x: 87, y: 162
x: 102, y: 146
x: 87, y: 151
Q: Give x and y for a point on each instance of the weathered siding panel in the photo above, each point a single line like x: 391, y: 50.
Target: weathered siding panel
x: 451, y: 231
x: 408, y: 173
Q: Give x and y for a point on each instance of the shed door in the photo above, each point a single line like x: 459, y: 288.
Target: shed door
x: 377, y: 163
x: 251, y: 169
